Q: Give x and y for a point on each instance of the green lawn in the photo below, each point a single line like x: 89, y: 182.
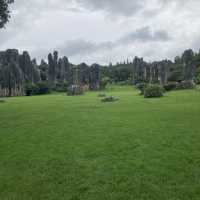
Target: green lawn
x: 57, y: 147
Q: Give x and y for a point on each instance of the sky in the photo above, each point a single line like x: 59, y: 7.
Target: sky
x: 103, y: 31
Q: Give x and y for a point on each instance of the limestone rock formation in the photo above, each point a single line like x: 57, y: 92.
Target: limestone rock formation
x: 15, y: 70
x: 94, y: 77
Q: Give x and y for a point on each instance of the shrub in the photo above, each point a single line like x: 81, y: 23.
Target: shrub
x: 30, y: 89
x: 2, y: 101
x: 197, y: 79
x: 109, y: 99
x: 42, y: 88
x: 141, y: 87
x: 36, y: 89
x: 153, y: 91
x: 170, y: 86
x: 75, y: 90
x: 61, y: 87
x: 185, y: 85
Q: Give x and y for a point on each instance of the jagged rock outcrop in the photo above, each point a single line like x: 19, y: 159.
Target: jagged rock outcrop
x: 94, y: 77
x: 63, y: 70
x: 15, y: 70
x: 83, y: 74
x: 188, y: 65
x: 29, y: 68
x: 139, y: 68
x: 163, y: 71
x: 44, y: 70
x: 52, y: 69
x: 59, y: 69
x: 156, y: 72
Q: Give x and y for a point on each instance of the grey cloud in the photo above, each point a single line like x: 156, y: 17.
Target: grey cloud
x: 39, y: 26
x: 145, y: 34
x: 122, y: 7
x: 83, y: 47
x: 128, y: 7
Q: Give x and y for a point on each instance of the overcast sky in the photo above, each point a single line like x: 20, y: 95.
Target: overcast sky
x: 103, y: 31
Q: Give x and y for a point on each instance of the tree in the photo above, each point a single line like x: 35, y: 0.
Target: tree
x: 4, y: 12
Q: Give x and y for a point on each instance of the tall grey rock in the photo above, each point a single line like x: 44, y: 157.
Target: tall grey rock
x: 15, y: 70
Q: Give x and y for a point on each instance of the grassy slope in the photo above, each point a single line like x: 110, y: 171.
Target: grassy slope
x: 58, y: 147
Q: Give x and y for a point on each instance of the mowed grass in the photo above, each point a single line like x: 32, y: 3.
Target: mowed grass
x: 57, y: 147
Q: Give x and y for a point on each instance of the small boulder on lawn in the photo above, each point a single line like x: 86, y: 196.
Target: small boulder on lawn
x: 109, y: 99
x: 2, y: 101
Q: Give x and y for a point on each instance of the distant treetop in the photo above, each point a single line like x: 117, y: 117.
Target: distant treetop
x: 4, y: 12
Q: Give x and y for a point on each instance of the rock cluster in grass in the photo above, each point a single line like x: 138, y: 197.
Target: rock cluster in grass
x: 2, y: 101
x: 109, y: 99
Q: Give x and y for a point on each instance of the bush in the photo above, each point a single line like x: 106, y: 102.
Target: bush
x: 75, y: 90
x: 141, y: 87
x: 2, y: 101
x: 36, y: 89
x: 61, y: 87
x: 109, y: 99
x: 197, y: 79
x: 170, y: 86
x: 153, y: 91
x: 185, y: 85
x: 30, y: 89
x: 42, y: 88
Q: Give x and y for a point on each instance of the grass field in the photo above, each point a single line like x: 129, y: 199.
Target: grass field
x: 57, y: 147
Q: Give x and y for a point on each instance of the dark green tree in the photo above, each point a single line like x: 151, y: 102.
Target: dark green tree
x: 4, y: 12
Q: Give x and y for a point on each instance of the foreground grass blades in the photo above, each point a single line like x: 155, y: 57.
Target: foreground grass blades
x: 71, y: 148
